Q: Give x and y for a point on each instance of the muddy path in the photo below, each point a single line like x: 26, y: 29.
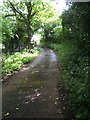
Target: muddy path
x: 34, y: 92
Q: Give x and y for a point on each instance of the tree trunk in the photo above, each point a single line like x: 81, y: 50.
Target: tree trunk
x: 29, y: 30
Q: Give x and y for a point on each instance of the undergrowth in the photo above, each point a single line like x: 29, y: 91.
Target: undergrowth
x: 15, y: 61
x: 75, y: 75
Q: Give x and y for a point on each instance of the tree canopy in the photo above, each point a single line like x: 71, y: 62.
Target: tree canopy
x: 68, y: 34
x: 23, y: 19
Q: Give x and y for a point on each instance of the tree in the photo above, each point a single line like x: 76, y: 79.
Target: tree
x: 31, y: 14
x: 75, y: 22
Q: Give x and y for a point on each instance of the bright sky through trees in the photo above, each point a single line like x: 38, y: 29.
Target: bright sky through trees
x: 1, y: 2
x: 59, y: 5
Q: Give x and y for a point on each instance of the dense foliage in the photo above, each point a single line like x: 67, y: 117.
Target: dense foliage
x: 73, y: 53
x: 21, y: 19
x: 69, y: 36
x: 14, y: 62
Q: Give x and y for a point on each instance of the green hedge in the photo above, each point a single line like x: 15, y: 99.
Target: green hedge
x: 75, y: 75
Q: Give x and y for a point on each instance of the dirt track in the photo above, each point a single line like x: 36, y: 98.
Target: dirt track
x: 36, y: 91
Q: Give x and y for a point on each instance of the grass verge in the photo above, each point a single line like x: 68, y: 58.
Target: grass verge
x: 14, y: 62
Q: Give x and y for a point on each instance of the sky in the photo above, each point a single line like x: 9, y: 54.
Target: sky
x: 1, y: 1
x: 59, y: 5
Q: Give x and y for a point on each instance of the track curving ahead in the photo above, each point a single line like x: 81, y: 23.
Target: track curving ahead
x: 34, y: 92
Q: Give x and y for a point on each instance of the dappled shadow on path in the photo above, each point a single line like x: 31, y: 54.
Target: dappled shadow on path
x: 34, y: 92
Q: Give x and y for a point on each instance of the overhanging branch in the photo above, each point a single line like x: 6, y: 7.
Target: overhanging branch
x: 9, y: 15
x: 17, y: 11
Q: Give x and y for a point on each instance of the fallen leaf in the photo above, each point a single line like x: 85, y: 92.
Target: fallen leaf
x: 43, y: 99
x: 60, y: 112
x: 49, y: 96
x: 17, y: 108
x: 38, y: 94
x: 55, y: 103
x: 57, y: 98
x: 28, y: 96
x: 32, y: 98
x: 64, y: 108
x: 27, y: 102
x: 63, y: 99
x: 6, y: 114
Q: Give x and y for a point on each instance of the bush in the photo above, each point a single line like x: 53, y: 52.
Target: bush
x: 75, y: 75
x: 15, y: 62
